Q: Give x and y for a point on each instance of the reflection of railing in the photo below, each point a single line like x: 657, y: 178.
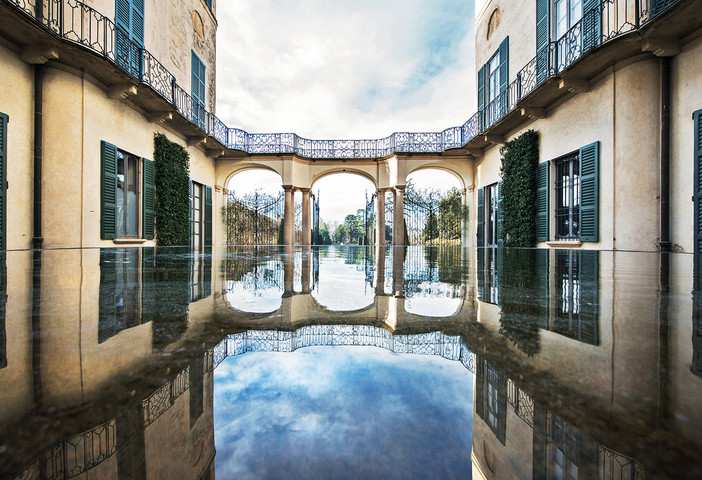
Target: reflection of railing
x: 78, y: 23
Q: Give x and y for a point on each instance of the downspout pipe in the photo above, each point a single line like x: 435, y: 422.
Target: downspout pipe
x: 665, y: 244
x: 37, y: 239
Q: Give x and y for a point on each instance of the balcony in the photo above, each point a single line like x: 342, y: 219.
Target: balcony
x: 82, y: 38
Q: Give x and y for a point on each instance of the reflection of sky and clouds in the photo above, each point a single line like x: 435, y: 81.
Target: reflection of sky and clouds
x: 354, y: 412
x: 259, y: 290
x: 342, y: 280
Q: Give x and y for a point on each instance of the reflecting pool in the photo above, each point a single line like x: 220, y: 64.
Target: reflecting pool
x: 350, y: 362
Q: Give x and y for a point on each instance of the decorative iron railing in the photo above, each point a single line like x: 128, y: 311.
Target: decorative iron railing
x: 78, y: 23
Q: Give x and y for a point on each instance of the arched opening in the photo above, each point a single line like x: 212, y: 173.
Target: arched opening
x: 254, y: 208
x: 434, y: 208
x: 346, y: 203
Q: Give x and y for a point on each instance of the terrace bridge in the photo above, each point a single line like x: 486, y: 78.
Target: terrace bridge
x: 387, y: 173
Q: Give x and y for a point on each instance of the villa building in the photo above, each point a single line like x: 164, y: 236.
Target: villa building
x: 610, y: 86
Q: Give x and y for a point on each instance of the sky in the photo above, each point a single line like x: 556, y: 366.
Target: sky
x: 334, y: 69
x: 339, y: 69
x: 342, y: 412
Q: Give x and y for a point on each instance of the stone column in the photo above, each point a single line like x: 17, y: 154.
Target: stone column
x: 288, y: 271
x: 398, y: 267
x: 289, y: 216
x: 306, y: 217
x: 306, y: 270
x: 380, y: 219
x: 380, y: 270
x: 398, y: 222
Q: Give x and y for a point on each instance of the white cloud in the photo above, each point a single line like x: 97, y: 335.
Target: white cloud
x: 338, y: 69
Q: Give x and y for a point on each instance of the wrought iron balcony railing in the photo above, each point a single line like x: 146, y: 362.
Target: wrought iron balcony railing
x: 78, y: 23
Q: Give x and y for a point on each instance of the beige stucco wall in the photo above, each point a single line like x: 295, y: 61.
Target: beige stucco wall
x: 621, y: 112
x: 17, y: 101
x: 170, y: 36
x: 518, y: 21
x: 686, y: 75
x: 78, y: 115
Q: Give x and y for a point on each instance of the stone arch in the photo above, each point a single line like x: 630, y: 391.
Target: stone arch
x: 338, y: 170
x: 435, y: 166
x: 227, y: 174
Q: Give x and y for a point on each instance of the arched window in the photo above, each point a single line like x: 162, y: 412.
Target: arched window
x: 493, y: 23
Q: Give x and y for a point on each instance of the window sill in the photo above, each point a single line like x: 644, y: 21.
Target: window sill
x: 565, y: 244
x: 128, y: 241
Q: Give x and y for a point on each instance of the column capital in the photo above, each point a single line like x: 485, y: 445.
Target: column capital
x: 471, y: 188
x: 218, y: 188
x: 225, y: 191
x: 288, y: 188
x: 305, y: 190
x: 400, y: 187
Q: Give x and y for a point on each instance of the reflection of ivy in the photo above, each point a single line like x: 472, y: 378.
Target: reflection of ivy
x: 172, y: 296
x: 520, y: 158
x: 522, y: 302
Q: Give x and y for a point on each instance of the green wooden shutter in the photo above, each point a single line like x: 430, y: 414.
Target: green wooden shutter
x: 480, y: 378
x: 208, y: 217
x: 499, y: 217
x: 589, y: 193
x: 542, y: 40
x: 108, y: 192
x: 592, y: 24
x: 698, y: 182
x: 197, y: 89
x: 481, y: 98
x: 3, y: 181
x: 481, y: 217
x: 129, y: 35
x: 588, y: 274
x: 542, y: 202
x: 148, y: 199
x: 504, y: 77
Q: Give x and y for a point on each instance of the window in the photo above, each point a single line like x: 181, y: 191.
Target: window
x: 198, y: 91
x: 492, y: 86
x: 568, y: 197
x: 493, y: 77
x: 196, y: 216
x: 567, y: 13
x: 129, y: 35
x: 491, y: 398
x: 489, y: 216
x: 127, y: 195
x: 576, y: 188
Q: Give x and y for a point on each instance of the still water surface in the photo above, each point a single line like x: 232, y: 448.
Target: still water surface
x: 350, y: 363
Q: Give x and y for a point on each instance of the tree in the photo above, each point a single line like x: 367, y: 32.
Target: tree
x: 340, y: 234
x: 324, y: 236
x: 451, y: 212
x: 354, y: 231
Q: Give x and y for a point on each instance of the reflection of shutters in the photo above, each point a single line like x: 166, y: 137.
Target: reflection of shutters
x: 589, y: 268
x: 542, y: 39
x: 698, y: 183
x: 3, y: 180
x: 542, y: 202
x: 107, y: 317
x: 131, y: 445
x: 3, y: 302
x: 541, y: 287
x: 501, y: 432
x: 196, y: 387
x: 148, y: 194
x: 190, y: 213
x: 589, y: 193
x: 207, y: 275
x: 591, y: 24
x: 539, y: 441
x: 481, y: 217
x: 208, y: 216
x: 481, y: 275
x: 481, y: 99
x: 148, y: 284
x: 108, y: 189
x: 499, y: 217
x: 480, y: 374
x: 504, y: 77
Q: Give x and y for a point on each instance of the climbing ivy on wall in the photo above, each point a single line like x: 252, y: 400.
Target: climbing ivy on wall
x: 172, y: 182
x: 520, y: 158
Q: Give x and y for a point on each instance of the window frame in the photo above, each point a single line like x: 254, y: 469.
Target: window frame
x: 139, y: 161
x: 572, y: 160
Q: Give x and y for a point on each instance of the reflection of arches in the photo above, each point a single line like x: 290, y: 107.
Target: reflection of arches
x: 351, y: 171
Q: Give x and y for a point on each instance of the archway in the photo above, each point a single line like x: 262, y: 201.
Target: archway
x: 434, y: 210
x: 254, y: 208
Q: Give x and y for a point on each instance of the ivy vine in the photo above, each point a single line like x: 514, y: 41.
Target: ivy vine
x: 520, y: 159
x: 172, y: 185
